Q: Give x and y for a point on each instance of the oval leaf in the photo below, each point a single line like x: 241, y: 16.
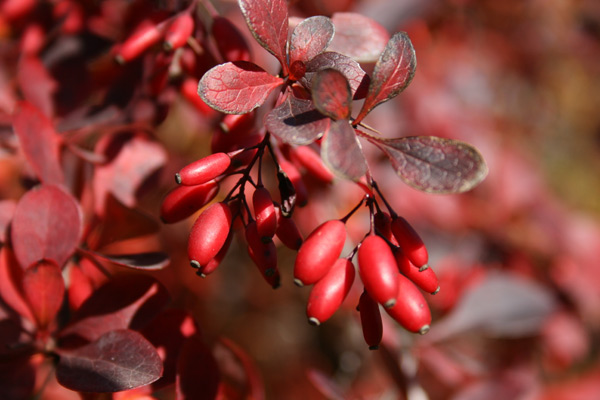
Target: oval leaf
x: 146, y: 261
x: 237, y: 87
x: 11, y: 278
x: 341, y: 151
x: 44, y: 289
x: 296, y: 121
x: 393, y: 72
x: 433, y: 164
x: 118, y: 360
x: 47, y: 224
x: 358, y: 79
x: 331, y: 94
x: 358, y: 37
x: 310, y: 38
x: 268, y: 22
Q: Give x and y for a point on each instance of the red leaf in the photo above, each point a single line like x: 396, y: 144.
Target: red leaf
x: 118, y: 360
x: 358, y: 79
x: 268, y: 22
x: 36, y: 84
x: 358, y: 37
x: 341, y: 151
x: 231, y: 359
x: 17, y: 378
x: 11, y: 277
x: 237, y: 87
x: 393, y: 72
x: 434, y: 165
x: 331, y: 94
x: 40, y: 142
x: 296, y: 121
x: 310, y: 38
x: 198, y: 374
x: 145, y: 261
x: 229, y: 40
x: 47, y: 225
x: 7, y: 210
x: 44, y: 289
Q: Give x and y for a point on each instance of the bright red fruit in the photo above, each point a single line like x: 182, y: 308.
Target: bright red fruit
x: 296, y: 178
x: 313, y: 163
x: 287, y: 231
x: 425, y: 279
x: 411, y: 310
x: 179, y: 31
x: 378, y: 270
x: 319, y: 251
x: 264, y: 212
x: 370, y: 320
x: 411, y: 243
x: 183, y: 201
x: 214, y: 263
x: 209, y: 233
x: 383, y: 226
x: 145, y: 36
x: 263, y: 254
x: 203, y: 170
x: 330, y: 291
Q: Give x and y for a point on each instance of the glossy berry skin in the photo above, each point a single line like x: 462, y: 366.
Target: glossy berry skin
x: 183, y: 201
x: 203, y: 170
x: 208, y: 234
x: 378, y: 270
x: 409, y: 240
x: 425, y: 279
x: 411, y: 310
x: 329, y: 292
x: 142, y: 38
x: 214, y: 263
x: 296, y: 178
x: 370, y: 320
x: 264, y: 212
x: 319, y: 251
x: 178, y: 32
x: 287, y: 231
x: 312, y: 162
x: 383, y: 226
x: 263, y: 254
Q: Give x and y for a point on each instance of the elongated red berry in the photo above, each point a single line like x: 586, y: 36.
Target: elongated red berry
x: 183, y: 201
x: 214, y: 263
x: 264, y: 212
x: 203, y: 170
x: 179, y: 31
x: 287, y: 231
x: 370, y: 320
x: 296, y: 178
x: 378, y: 270
x: 312, y: 162
x: 208, y: 234
x: 145, y: 35
x: 411, y: 243
x: 230, y: 42
x: 424, y: 279
x: 411, y: 310
x: 383, y: 226
x: 189, y: 91
x: 330, y: 291
x: 319, y: 251
x: 263, y: 254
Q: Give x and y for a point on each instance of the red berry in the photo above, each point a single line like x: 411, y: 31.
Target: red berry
x: 209, y: 233
x: 330, y: 291
x: 179, y: 31
x: 294, y: 176
x: 144, y: 36
x: 189, y: 91
x: 203, y: 170
x: 287, y: 231
x: 263, y: 254
x: 378, y: 270
x: 411, y: 310
x: 411, y: 243
x: 319, y: 251
x: 424, y: 279
x: 183, y: 201
x: 383, y: 226
x: 264, y: 212
x: 212, y: 265
x: 230, y: 42
x: 312, y: 162
x: 370, y: 320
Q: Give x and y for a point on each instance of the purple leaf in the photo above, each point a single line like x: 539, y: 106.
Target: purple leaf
x: 358, y: 79
x: 341, y: 151
x: 433, y: 164
x: 268, y: 22
x: 47, y: 224
x: 118, y: 360
x: 358, y: 37
x: 145, y: 261
x: 331, y: 94
x: 237, y: 87
x: 310, y: 38
x: 393, y: 72
x: 296, y: 121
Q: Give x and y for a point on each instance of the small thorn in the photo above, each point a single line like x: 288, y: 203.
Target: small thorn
x: 424, y: 329
x: 298, y: 282
x: 374, y: 347
x: 314, y: 321
x: 424, y: 267
x: 178, y: 178
x: 436, y: 290
x: 195, y: 264
x: 390, y: 303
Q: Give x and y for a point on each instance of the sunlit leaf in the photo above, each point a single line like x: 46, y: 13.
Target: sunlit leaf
x: 341, y: 151
x: 434, y: 165
x: 237, y: 87
x: 310, y: 38
x: 358, y: 37
x: 331, y: 94
x: 7, y: 209
x: 296, y: 121
x: 393, y: 72
x: 11, y: 278
x: 44, y: 289
x: 118, y: 360
x: 358, y: 79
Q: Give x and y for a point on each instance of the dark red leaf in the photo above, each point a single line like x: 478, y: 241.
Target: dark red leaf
x: 358, y: 79
x: 144, y: 261
x: 40, y: 142
x: 125, y: 302
x: 7, y: 209
x: 37, y: 85
x: 232, y: 360
x: 237, y: 87
x: 44, y: 289
x: 11, y: 278
x: 296, y: 121
x: 118, y: 360
x: 17, y: 378
x: 434, y: 165
x: 198, y: 374
x: 331, y: 94
x: 393, y: 72
x: 358, y: 37
x: 268, y: 22
x: 47, y: 225
x: 310, y: 38
x: 229, y: 40
x: 324, y: 384
x: 342, y: 152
